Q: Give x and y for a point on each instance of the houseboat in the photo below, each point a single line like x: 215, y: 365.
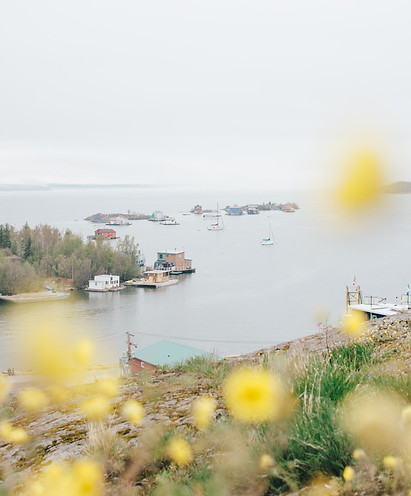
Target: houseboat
x: 118, y: 221
x: 252, y: 210
x: 197, y: 209
x: 153, y: 279
x: 104, y: 283
x: 174, y: 261
x: 105, y: 233
x: 234, y: 210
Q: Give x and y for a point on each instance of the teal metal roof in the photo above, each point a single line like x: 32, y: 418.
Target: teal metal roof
x: 168, y: 353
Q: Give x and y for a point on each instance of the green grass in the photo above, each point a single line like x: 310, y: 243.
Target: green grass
x: 316, y: 444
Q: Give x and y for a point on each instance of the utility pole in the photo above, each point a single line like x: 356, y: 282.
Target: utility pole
x: 129, y: 345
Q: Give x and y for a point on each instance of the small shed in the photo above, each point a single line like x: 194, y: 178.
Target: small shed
x: 164, y: 353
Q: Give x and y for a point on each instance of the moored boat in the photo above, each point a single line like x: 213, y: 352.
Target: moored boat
x: 169, y: 222
x: 38, y: 296
x: 154, y: 279
x: 269, y: 240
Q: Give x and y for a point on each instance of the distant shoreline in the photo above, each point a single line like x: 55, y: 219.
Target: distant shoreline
x: 53, y: 186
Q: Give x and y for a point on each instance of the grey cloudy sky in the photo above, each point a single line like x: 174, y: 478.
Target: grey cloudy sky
x: 227, y: 92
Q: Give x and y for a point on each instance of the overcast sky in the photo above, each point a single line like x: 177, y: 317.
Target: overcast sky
x: 210, y: 92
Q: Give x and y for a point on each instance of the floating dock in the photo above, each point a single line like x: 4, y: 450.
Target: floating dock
x: 31, y: 297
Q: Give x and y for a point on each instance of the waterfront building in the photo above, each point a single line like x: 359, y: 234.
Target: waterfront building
x: 174, y: 261
x: 106, y: 233
x: 163, y: 353
x: 103, y: 283
x: 234, y: 210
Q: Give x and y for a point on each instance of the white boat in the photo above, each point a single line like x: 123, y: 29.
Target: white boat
x: 169, y: 222
x: 214, y: 214
x: 216, y: 226
x: 39, y: 296
x: 269, y: 240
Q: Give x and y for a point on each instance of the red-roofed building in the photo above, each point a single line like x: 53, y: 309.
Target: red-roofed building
x: 106, y: 233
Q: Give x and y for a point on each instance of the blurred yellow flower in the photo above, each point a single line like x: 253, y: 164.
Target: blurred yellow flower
x: 203, y: 411
x: 96, y: 408
x: 406, y: 414
x: 33, y: 399
x: 47, y: 353
x: 4, y: 389
x: 13, y: 435
x: 18, y: 436
x: 83, y: 353
x: 108, y: 387
x: 266, y: 461
x: 361, y: 183
x: 5, y: 429
x: 348, y: 473
x: 390, y: 462
x: 133, y: 411
x: 372, y: 417
x: 253, y: 395
x: 359, y: 454
x: 88, y: 476
x: 58, y: 394
x: 179, y: 451
x: 82, y: 478
x: 353, y: 324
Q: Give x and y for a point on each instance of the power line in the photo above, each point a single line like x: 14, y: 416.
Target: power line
x: 206, y: 340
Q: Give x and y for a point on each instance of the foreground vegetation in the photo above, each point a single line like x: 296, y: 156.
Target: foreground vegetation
x: 333, y: 422
x: 29, y: 256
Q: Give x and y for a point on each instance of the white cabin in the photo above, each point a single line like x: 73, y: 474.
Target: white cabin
x: 104, y: 282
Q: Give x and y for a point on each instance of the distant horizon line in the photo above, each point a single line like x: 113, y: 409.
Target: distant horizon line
x: 10, y: 187
x: 50, y: 186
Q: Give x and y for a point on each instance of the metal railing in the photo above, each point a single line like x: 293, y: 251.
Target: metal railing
x: 374, y: 300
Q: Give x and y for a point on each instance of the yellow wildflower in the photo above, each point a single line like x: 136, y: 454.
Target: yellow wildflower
x: 353, y: 324
x: 32, y: 399
x: 88, y: 476
x: 133, y: 411
x: 13, y: 435
x: 361, y: 184
x: 83, y: 352
x: 18, y: 436
x: 59, y: 394
x: 179, y: 451
x: 46, y: 352
x: 4, y: 389
x: 266, y: 461
x: 390, y: 462
x: 108, y: 387
x: 82, y: 478
x: 253, y: 395
x: 406, y: 414
x: 372, y: 417
x: 96, y: 408
x: 203, y: 410
x: 359, y: 454
x: 5, y: 430
x: 348, y: 473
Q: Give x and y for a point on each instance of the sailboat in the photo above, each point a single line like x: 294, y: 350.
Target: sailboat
x: 216, y: 226
x: 269, y: 240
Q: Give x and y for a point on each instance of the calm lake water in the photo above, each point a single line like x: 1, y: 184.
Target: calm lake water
x: 244, y: 296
